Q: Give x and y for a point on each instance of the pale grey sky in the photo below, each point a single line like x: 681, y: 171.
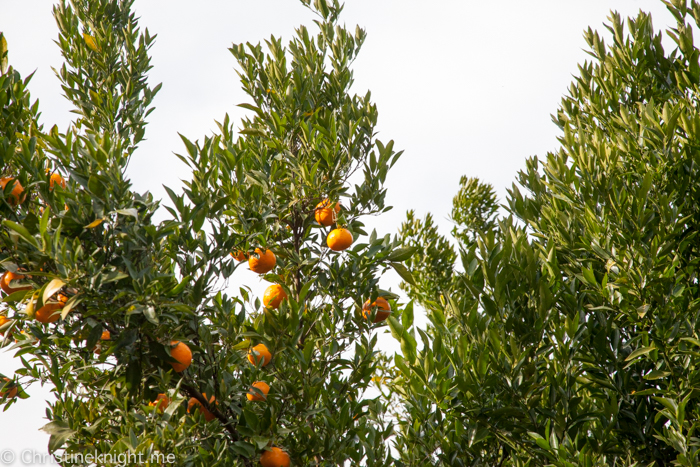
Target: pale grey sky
x: 464, y: 87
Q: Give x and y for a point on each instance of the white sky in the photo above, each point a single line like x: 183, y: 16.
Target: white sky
x: 464, y: 87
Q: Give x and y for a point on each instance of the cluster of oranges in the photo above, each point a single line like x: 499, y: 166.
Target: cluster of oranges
x: 49, y: 312
x: 259, y: 390
x: 260, y: 355
x: 17, y: 194
x: 326, y: 214
x: 181, y: 353
x: 339, y: 239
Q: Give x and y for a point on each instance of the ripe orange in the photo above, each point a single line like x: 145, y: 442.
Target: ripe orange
x: 339, y: 239
x: 255, y: 396
x: 49, y: 313
x: 239, y: 255
x: 9, y: 392
x: 274, y: 296
x: 262, y: 263
x: 104, y: 337
x: 161, y: 403
x: 194, y: 404
x: 326, y: 214
x: 259, y: 352
x: 16, y: 195
x: 9, y: 277
x: 182, y: 354
x: 275, y: 457
x: 55, y: 178
x: 383, y: 312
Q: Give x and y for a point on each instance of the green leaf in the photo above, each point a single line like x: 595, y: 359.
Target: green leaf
x: 640, y: 352
x: 241, y: 345
x: 692, y: 340
x: 541, y: 442
x: 403, y: 272
x: 95, y: 186
x: 396, y: 328
x: 656, y: 374
x: 113, y: 276
x: 588, y: 276
x: 244, y: 449
x: 402, y: 254
x: 60, y: 432
x: 408, y: 347
x: 308, y: 350
x: 305, y: 290
x: 407, y: 315
x: 250, y: 418
x: 150, y: 313
x: 16, y: 296
x: 483, y: 363
x: 24, y: 233
x: 260, y: 441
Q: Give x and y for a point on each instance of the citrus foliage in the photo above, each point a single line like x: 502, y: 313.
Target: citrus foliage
x: 145, y: 298
x: 570, y: 337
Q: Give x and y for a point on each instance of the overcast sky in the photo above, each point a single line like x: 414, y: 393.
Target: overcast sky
x: 464, y: 87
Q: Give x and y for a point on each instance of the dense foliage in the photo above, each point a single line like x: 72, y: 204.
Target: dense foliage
x: 568, y: 333
x: 133, y: 287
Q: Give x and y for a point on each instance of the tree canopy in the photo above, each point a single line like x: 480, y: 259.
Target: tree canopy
x: 567, y: 332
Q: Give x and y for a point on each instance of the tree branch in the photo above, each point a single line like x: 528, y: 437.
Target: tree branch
x: 192, y: 392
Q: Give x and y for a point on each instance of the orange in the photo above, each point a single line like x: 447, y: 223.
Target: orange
x: 262, y: 354
x: 9, y: 392
x: 104, y: 337
x: 182, y: 354
x: 256, y: 396
x: 49, y: 312
x: 274, y: 296
x: 161, y: 403
x: 15, y: 197
x: 194, y: 404
x: 9, y: 277
x: 263, y: 262
x: 326, y: 214
x: 55, y: 178
x: 383, y: 312
x: 275, y: 457
x: 239, y: 255
x: 339, y: 239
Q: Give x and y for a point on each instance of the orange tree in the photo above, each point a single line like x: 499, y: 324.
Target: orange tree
x: 569, y: 335
x: 129, y: 319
